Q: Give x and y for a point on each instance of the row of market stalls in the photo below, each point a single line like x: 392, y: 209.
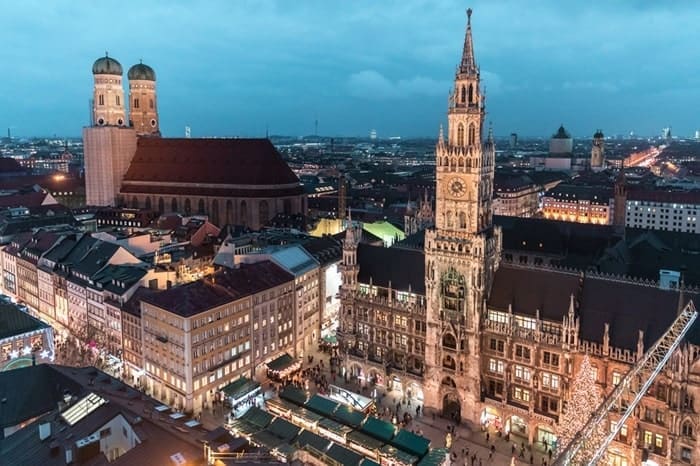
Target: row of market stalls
x: 347, y: 432
x: 282, y: 367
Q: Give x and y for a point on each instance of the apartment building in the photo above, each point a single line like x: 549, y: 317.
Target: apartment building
x: 663, y: 210
x: 199, y: 337
x: 582, y: 204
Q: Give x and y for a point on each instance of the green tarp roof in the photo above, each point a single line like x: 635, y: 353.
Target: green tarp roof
x: 239, y: 388
x: 283, y: 429
x: 322, y: 405
x: 282, y: 404
x: 333, y: 426
x: 266, y: 439
x: 281, y: 363
x: 316, y: 441
x: 435, y: 457
x: 349, y: 416
x: 365, y: 440
x: 293, y: 394
x: 379, y: 429
x: 307, y: 415
x: 411, y: 443
x: 344, y: 456
x: 368, y: 462
x: 398, y: 455
x: 245, y: 427
x: 257, y: 417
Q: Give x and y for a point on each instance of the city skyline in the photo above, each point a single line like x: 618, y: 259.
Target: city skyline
x: 355, y: 68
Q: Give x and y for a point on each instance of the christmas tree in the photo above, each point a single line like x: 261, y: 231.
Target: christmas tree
x: 584, y: 398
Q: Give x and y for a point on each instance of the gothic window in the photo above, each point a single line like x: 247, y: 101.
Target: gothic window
x: 173, y: 205
x: 447, y: 381
x: 135, y: 202
x: 229, y: 212
x: 150, y: 104
x: 462, y: 220
x: 117, y: 100
x: 453, y: 286
x: 471, y: 93
x: 472, y: 133
x: 449, y: 219
x: 148, y: 203
x: 449, y: 341
x: 136, y: 103
x: 446, y: 162
x: 161, y: 205
x: 460, y: 163
x: 460, y: 135
x: 448, y: 362
x: 101, y: 99
x: 453, y: 164
x: 264, y: 212
x: 200, y: 206
x: 687, y: 429
x: 244, y: 213
x: 463, y: 98
x: 188, y: 206
x: 215, y: 212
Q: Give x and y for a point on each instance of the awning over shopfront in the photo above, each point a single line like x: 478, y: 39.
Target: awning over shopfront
x: 241, y: 388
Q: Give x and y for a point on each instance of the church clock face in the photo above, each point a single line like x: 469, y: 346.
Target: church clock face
x: 456, y: 187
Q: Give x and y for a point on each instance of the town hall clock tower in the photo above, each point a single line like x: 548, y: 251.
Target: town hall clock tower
x: 462, y: 251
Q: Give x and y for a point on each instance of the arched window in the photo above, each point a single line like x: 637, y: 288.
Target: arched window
x: 472, y: 134
x: 449, y: 341
x: 263, y: 212
x: 229, y: 212
x: 161, y: 205
x: 447, y: 381
x: 215, y: 212
x: 462, y: 220
x: 460, y: 163
x: 188, y: 206
x: 117, y: 100
x: 148, y: 203
x: 449, y: 362
x: 101, y: 99
x: 173, y: 205
x: 460, y: 135
x: 449, y: 219
x: 200, y: 206
x: 136, y: 103
x: 471, y: 93
x: 135, y: 202
x: 463, y: 97
x: 150, y: 104
x: 244, y: 214
x: 687, y: 429
x: 453, y: 294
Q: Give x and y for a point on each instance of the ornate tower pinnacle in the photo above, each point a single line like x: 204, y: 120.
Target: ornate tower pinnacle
x: 468, y: 64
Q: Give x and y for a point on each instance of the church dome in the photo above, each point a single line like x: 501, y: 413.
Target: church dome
x: 107, y: 65
x: 141, y: 72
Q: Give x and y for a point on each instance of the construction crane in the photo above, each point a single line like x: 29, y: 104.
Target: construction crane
x: 586, y: 448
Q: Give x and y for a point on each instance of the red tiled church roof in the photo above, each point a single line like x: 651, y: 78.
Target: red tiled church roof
x: 212, y: 161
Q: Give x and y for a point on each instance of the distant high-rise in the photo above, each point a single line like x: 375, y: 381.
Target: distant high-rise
x: 373, y: 134
x: 697, y: 134
x: 513, y: 140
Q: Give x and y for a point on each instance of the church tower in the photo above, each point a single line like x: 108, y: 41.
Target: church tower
x: 462, y: 251
x: 598, y: 151
x: 143, y: 108
x: 108, y: 143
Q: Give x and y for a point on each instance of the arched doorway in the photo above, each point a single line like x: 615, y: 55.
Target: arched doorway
x: 517, y: 426
x: 451, y: 407
x: 546, y: 437
x: 375, y: 377
x: 491, y: 419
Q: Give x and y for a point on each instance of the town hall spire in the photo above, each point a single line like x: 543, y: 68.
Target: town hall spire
x: 468, y: 64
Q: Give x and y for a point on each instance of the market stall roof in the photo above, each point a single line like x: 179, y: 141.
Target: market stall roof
x: 322, y: 405
x: 281, y: 363
x: 435, y: 457
x: 316, y: 441
x: 344, y: 456
x: 334, y: 427
x: 240, y: 388
x: 266, y: 439
x: 293, y: 394
x: 411, y: 443
x: 349, y: 416
x: 283, y: 429
x: 378, y: 429
x: 257, y: 417
x: 398, y: 456
x: 281, y: 405
x: 308, y: 416
x: 368, y: 462
x: 365, y: 440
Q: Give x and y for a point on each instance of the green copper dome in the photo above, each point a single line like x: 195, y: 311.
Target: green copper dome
x: 141, y: 72
x: 107, y: 65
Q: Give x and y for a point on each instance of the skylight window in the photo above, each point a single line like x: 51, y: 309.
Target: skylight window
x: 82, y: 408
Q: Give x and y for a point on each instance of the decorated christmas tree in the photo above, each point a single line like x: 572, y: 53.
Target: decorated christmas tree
x: 585, y: 396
